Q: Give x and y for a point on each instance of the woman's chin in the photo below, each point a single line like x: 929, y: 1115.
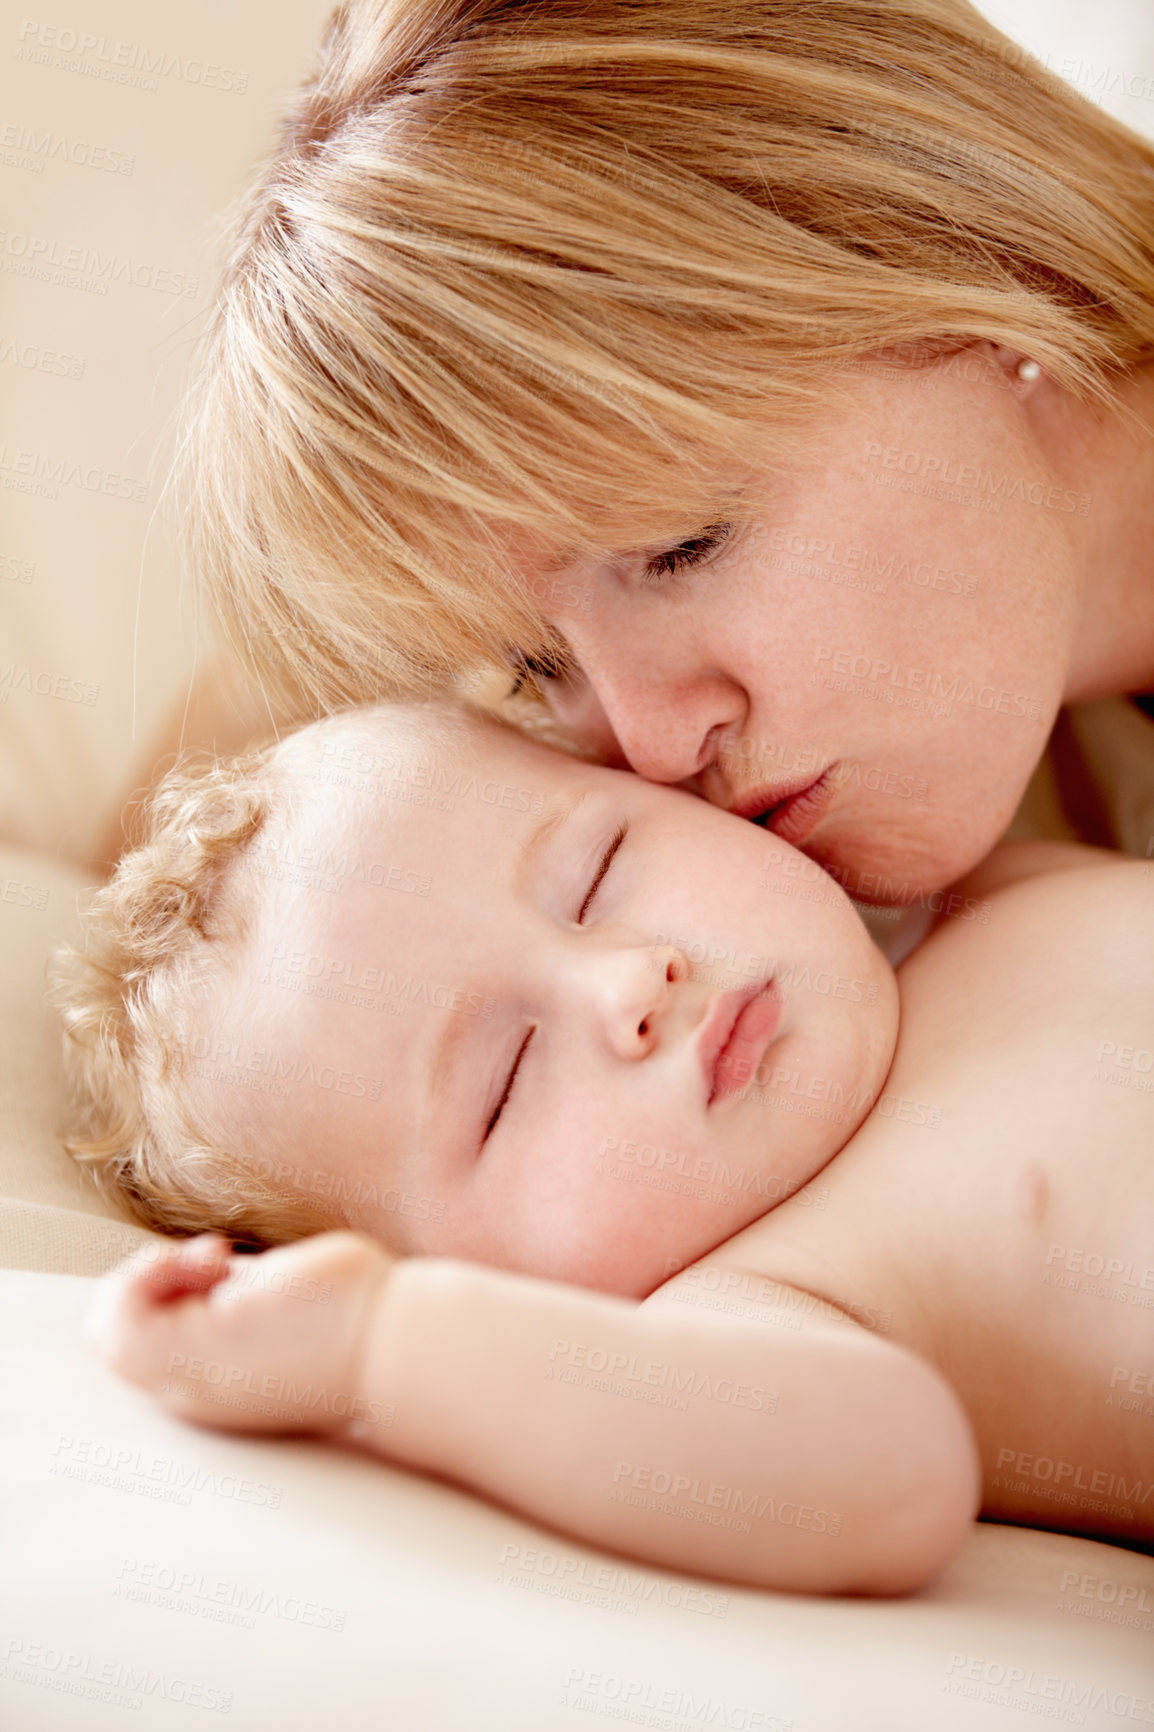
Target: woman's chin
x: 899, y: 865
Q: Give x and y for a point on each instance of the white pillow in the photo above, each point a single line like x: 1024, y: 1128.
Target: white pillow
x: 286, y: 1585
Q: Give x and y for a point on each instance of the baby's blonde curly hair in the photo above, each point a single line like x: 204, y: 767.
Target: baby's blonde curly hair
x: 159, y: 934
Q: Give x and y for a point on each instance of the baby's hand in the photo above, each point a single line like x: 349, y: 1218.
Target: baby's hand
x: 246, y: 1343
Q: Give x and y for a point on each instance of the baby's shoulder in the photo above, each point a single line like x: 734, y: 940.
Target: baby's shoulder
x: 1044, y: 895
x: 1063, y: 936
x: 1012, y: 863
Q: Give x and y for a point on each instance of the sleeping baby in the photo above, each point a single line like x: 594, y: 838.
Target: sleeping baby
x: 599, y: 1176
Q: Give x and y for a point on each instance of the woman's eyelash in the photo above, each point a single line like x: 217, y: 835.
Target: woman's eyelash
x: 501, y: 1104
x: 688, y: 553
x: 603, y: 867
x: 546, y: 665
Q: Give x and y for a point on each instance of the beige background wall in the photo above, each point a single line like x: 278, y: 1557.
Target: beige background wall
x: 126, y: 130
x: 127, y: 127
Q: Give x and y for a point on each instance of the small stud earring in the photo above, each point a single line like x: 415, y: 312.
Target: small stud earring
x: 1029, y: 370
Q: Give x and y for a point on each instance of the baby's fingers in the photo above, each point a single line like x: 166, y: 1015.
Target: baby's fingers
x: 159, y: 1273
x: 131, y: 1301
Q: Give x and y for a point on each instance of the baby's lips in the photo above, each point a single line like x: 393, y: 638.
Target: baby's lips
x: 752, y: 1032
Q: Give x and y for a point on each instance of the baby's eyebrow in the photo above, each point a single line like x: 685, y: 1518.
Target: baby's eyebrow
x: 543, y: 835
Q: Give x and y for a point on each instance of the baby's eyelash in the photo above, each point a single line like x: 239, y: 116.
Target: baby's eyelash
x: 603, y: 867
x: 501, y: 1104
x: 688, y: 553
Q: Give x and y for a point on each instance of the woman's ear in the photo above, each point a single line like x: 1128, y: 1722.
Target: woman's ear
x: 1020, y: 371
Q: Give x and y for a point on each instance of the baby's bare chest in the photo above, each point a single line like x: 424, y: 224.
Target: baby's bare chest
x: 995, y: 1215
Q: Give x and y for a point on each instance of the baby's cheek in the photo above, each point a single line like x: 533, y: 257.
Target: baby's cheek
x: 617, y: 1187
x: 663, y: 1194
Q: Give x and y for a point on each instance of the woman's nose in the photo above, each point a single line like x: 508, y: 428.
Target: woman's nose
x: 668, y: 729
x: 633, y: 988
x: 660, y: 712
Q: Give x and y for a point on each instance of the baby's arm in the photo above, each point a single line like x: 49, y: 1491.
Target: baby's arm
x: 854, y: 1472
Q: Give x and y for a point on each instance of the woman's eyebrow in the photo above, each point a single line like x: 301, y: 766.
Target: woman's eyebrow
x: 543, y: 835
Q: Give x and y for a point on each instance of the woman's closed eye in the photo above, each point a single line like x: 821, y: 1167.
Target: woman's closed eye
x: 546, y: 665
x: 691, y: 552
x: 556, y: 665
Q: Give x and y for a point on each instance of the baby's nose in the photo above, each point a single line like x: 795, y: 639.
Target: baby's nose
x: 636, y: 987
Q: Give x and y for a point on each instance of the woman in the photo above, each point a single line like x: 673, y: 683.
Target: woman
x: 768, y: 384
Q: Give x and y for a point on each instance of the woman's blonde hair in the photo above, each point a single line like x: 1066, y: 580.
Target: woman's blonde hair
x: 132, y: 1004
x: 544, y: 274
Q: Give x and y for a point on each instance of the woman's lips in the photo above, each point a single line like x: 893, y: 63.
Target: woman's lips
x: 736, y: 1032
x: 794, y: 815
